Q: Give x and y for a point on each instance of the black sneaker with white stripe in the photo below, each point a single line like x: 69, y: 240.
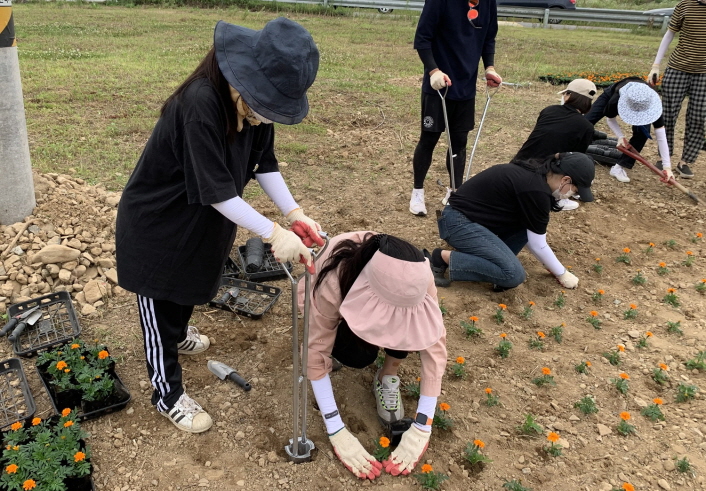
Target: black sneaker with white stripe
x: 194, y: 343
x: 684, y: 171
x: 188, y: 415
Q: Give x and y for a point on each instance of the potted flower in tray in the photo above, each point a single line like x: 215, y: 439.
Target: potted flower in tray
x: 79, y: 375
x: 48, y: 455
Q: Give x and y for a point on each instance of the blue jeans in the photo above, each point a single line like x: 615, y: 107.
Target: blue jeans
x: 481, y: 255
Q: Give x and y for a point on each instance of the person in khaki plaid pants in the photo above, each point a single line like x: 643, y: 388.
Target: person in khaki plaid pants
x: 685, y: 75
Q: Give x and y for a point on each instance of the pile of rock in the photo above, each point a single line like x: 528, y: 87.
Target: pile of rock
x: 67, y: 244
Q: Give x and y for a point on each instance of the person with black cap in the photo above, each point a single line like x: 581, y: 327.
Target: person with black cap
x: 179, y: 211
x: 504, y: 208
x: 562, y: 128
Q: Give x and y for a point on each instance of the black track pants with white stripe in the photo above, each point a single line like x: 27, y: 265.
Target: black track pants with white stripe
x: 164, y: 326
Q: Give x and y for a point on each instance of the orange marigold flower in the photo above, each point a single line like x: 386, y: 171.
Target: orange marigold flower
x: 103, y: 354
x: 8, y: 447
x: 625, y: 415
x: 384, y: 442
x: 662, y: 264
x: 16, y: 448
x: 67, y: 370
x: 541, y: 335
x: 703, y: 280
x: 419, y: 379
x: 68, y: 423
x: 460, y: 360
x: 593, y: 313
x: 473, y: 318
x: 626, y: 250
x: 444, y: 407
x: 628, y: 487
x: 66, y: 412
x: 588, y: 363
x: 531, y: 303
x: 663, y: 366
x: 553, y: 437
x: 503, y: 335
x: 601, y: 292
x: 658, y: 401
x: 29, y: 484
x: 488, y: 390
x: 546, y: 371
x: 16, y: 426
x: 426, y: 469
x: 79, y: 456
x: 75, y: 345
x: 479, y: 443
x: 689, y: 253
x: 36, y: 421
x: 621, y: 348
x: 633, y: 306
x: 699, y: 234
x: 61, y: 364
x: 11, y: 469
x: 624, y: 376
x: 652, y: 244
x: 598, y: 259
x: 671, y: 290
x: 502, y: 306
x: 649, y: 334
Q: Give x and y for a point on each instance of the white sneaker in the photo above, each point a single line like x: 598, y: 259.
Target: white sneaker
x: 567, y: 204
x: 188, y: 415
x: 388, y: 399
x: 619, y: 173
x: 194, y: 343
x: 445, y: 201
x: 416, y: 203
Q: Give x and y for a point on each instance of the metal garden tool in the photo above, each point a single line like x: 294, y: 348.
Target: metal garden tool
x: 29, y: 321
x: 300, y: 447
x: 448, y: 137
x: 19, y: 318
x: 631, y: 152
x: 223, y: 372
x: 488, y: 95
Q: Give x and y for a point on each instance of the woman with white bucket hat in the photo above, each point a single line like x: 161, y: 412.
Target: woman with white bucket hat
x: 638, y: 105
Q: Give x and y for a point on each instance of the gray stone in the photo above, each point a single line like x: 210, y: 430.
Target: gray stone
x: 53, y: 254
x: 95, y: 290
x: 664, y: 484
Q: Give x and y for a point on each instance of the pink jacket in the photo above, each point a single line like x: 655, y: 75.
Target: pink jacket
x: 324, y: 317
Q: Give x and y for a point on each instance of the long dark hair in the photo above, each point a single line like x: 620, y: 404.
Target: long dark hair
x: 541, y: 167
x: 208, y: 69
x: 578, y: 101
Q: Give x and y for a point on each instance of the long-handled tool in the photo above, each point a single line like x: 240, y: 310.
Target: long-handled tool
x: 19, y: 318
x: 488, y: 96
x: 632, y: 153
x: 300, y: 447
x: 448, y: 137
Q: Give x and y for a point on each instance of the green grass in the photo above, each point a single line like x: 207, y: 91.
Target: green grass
x: 94, y: 78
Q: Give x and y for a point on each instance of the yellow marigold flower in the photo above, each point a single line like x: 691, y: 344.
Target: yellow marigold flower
x: 541, y: 335
x: 16, y: 448
x: 68, y: 424
x: 473, y: 318
x: 67, y: 370
x: 488, y: 390
x: 11, y: 469
x: 29, y: 484
x: 426, y: 469
x: 36, y: 421
x: 61, y: 364
x: 663, y: 366
x: 79, y: 456
x: 593, y: 313
x: 626, y: 250
x: 502, y: 306
x: 16, y: 426
x: 384, y: 442
x: 66, y: 412
x: 546, y: 371
x: 624, y: 376
x: 625, y: 415
x: 553, y: 437
x: 479, y: 443
x: 103, y: 354
x: 75, y: 346
x: 658, y: 401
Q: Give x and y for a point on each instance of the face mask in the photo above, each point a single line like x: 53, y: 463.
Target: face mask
x: 561, y: 101
x: 261, y: 119
x: 557, y: 192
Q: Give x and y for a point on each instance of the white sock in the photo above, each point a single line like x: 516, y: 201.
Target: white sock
x: 323, y: 392
x: 427, y: 406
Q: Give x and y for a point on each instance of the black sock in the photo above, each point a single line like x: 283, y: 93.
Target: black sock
x: 436, y: 259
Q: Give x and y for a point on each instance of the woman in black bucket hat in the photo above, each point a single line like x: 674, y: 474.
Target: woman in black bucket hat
x: 178, y: 214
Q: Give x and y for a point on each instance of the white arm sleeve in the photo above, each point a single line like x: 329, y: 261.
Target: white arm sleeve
x: 426, y: 406
x: 537, y: 244
x: 274, y: 186
x: 614, y: 127
x: 661, y: 135
x: 663, y: 46
x: 242, y: 214
x: 323, y: 392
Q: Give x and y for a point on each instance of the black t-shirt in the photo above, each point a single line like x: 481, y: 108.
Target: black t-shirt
x: 558, y: 129
x: 505, y: 199
x: 611, y: 109
x: 171, y: 244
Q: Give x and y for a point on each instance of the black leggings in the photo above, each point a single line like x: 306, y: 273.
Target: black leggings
x: 353, y: 352
x: 425, y: 149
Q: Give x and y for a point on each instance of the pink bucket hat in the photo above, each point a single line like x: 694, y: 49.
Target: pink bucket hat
x: 388, y: 305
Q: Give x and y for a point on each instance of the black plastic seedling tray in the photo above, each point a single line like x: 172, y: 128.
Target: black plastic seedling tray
x: 16, y: 402
x: 251, y: 299
x: 271, y: 269
x: 57, y: 325
x: 232, y: 268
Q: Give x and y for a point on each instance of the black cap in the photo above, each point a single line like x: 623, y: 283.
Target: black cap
x: 580, y: 168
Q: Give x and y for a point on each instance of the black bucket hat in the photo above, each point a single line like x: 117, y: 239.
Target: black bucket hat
x: 580, y: 168
x: 271, y: 68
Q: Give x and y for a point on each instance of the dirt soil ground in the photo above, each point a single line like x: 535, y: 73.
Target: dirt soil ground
x: 359, y: 177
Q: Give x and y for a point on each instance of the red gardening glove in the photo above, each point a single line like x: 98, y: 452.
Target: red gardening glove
x: 307, y: 234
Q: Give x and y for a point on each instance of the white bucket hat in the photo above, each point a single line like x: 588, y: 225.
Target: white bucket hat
x: 639, y: 104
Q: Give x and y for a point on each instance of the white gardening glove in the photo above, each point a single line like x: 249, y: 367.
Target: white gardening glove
x: 412, y: 446
x: 623, y: 142
x: 439, y: 80
x: 668, y: 176
x: 287, y: 246
x: 653, y: 75
x: 492, y: 78
x: 568, y: 279
x: 353, y: 456
x: 307, y: 229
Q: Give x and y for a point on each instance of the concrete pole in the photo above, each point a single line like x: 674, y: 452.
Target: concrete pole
x: 16, y: 185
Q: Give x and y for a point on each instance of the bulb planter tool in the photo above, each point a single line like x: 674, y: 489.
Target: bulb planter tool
x: 300, y: 447
x: 448, y: 137
x: 488, y: 96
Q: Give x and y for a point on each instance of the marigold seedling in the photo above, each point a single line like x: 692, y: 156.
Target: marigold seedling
x: 499, y: 314
x: 621, y: 383
x: 530, y: 426
x: 613, y: 357
x: 689, y: 261
x: 597, y: 267
x: 380, y: 360
x: 686, y: 392
x: 624, y: 257
x: 429, y: 478
x: 490, y: 398
x: 527, y: 312
x: 382, y: 449
x: 650, y: 248
x: 662, y: 269
x: 625, y: 428
x: 586, y: 405
x: 674, y: 328
x: 671, y: 243
x: 441, y: 418
x: 660, y: 375
x: 470, y: 329
x: 553, y: 449
x: 594, y: 320
x: 698, y: 363
x: 560, y: 300
x: 459, y: 368
x: 473, y: 455
x: 625, y: 487
x: 653, y: 412
x: 557, y: 332
x: 639, y: 279
x: 701, y: 286
x: 697, y: 237
x: 503, y: 348
x: 671, y: 297
x: 413, y: 389
x: 631, y: 313
x: 642, y: 342
x: 515, y: 485
x: 598, y: 295
x: 545, y: 379
x: 537, y: 341
x: 442, y: 307
x: 583, y: 367
x: 683, y: 465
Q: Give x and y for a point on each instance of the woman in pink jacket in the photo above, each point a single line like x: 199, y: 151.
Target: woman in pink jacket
x: 375, y: 291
